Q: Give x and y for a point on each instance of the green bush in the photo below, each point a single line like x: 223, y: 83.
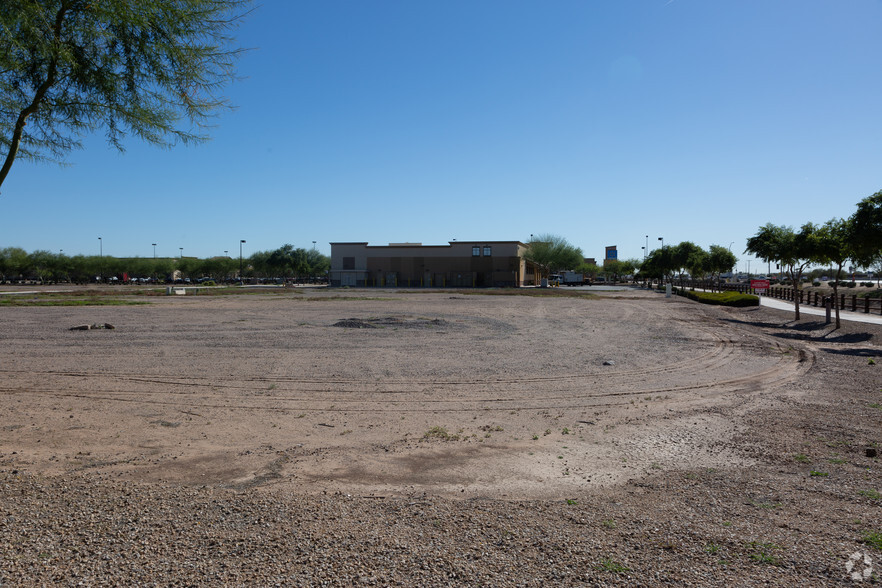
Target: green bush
x: 721, y: 298
x: 816, y: 283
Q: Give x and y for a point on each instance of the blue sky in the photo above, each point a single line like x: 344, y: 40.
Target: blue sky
x: 426, y: 121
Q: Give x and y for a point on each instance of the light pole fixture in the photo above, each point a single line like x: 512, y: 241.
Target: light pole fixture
x: 241, y: 242
x: 313, y: 245
x: 182, y: 252
x: 154, y: 250
x: 730, y: 246
x: 100, y: 247
x: 644, y: 253
x: 662, y: 239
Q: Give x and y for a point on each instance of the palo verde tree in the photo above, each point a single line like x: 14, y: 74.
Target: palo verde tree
x: 589, y: 270
x: 687, y: 256
x: 659, y: 264
x: 153, y: 69
x: 719, y: 260
x: 865, y: 230
x: 833, y: 245
x: 795, y: 251
x: 552, y: 253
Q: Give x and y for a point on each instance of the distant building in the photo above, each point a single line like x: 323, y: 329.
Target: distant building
x: 611, y: 254
x: 470, y: 264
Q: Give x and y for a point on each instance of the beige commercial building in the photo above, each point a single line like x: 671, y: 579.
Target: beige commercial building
x: 470, y: 264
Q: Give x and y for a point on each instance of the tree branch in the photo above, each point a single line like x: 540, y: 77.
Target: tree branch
x: 39, y: 95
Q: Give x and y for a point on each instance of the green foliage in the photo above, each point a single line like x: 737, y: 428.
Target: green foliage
x: 688, y: 256
x: 590, y: 270
x: 795, y: 251
x: 658, y: 264
x: 833, y: 244
x: 441, y: 433
x: 609, y: 565
x: 865, y: 230
x: 288, y: 262
x: 552, y: 253
x: 735, y: 299
x: 720, y: 260
x: 764, y: 553
x: 874, y: 539
x: 133, y: 67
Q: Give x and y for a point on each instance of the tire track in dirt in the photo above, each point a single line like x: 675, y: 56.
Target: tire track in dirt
x: 580, y: 391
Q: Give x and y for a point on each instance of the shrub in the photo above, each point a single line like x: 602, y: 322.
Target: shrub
x: 867, y: 284
x: 735, y: 299
x: 816, y: 283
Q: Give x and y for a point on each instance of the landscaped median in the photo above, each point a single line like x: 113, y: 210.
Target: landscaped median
x: 720, y: 298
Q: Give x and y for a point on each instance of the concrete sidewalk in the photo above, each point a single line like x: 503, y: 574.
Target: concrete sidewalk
x: 845, y: 315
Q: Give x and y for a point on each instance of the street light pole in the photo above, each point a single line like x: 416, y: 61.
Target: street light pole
x: 241, y: 277
x: 101, y: 257
x: 182, y: 252
x: 154, y: 250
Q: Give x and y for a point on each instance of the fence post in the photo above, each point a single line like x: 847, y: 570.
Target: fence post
x: 867, y: 305
x: 853, y: 302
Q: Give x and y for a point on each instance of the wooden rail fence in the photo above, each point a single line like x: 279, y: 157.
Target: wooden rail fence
x: 851, y: 302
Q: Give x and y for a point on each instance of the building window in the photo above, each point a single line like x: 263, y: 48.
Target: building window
x: 476, y: 251
x: 349, y: 263
x: 487, y: 251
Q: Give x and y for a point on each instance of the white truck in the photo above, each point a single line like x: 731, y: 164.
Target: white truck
x: 571, y: 279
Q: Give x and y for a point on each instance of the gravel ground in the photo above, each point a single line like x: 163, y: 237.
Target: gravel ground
x: 627, y: 439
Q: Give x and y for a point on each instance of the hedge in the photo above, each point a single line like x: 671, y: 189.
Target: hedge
x: 721, y: 298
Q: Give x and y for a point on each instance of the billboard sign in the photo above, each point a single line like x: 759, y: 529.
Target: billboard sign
x: 759, y: 285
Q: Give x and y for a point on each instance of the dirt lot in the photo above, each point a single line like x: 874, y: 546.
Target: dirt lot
x: 393, y: 437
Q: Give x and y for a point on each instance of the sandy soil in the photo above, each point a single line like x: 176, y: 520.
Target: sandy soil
x: 672, y: 439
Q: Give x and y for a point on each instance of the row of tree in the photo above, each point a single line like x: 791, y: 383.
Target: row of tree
x: 552, y: 254
x: 45, y: 266
x: 856, y: 240
x: 687, y: 257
